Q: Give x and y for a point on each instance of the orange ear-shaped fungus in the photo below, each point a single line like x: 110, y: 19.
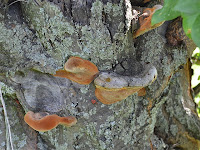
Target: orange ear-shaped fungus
x: 145, y: 21
x: 78, y: 70
x: 43, y: 122
x: 110, y: 96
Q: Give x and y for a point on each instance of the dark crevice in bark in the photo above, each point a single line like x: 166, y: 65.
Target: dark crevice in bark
x: 111, y: 36
x: 196, y: 89
x: 160, y: 133
x: 60, y: 3
x: 105, y: 21
x: 124, y: 20
x: 70, y: 9
x: 116, y: 1
x: 80, y: 11
x: 111, y: 1
x: 13, y: 13
x: 138, y: 3
x: 138, y: 52
x: 3, y: 4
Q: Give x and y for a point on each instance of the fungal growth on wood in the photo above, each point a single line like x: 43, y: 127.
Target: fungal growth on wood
x: 142, y: 92
x: 78, y: 70
x: 42, y: 121
x: 112, y: 87
x: 145, y: 21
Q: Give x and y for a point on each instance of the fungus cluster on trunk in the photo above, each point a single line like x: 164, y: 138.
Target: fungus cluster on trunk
x: 110, y: 86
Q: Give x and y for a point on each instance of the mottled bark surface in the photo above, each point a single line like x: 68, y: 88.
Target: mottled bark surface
x: 36, y: 39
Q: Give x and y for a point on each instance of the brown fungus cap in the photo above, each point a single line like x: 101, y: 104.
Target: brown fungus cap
x: 78, y: 70
x: 110, y: 96
x: 43, y: 122
x: 145, y: 21
x: 112, y: 87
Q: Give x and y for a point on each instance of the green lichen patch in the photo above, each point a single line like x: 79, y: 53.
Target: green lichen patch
x: 62, y: 38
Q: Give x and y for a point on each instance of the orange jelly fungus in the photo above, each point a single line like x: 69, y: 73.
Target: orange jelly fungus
x: 78, y: 70
x: 43, y: 122
x: 145, y: 21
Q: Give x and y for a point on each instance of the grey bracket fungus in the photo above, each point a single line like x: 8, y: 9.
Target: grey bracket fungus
x: 112, y: 87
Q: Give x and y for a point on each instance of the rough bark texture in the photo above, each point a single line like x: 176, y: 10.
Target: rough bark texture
x: 36, y: 39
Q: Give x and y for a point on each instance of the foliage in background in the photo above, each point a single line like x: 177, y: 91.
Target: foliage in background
x: 196, y: 75
x: 189, y: 10
x: 197, y: 100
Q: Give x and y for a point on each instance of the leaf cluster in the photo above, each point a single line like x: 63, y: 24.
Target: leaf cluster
x: 188, y: 10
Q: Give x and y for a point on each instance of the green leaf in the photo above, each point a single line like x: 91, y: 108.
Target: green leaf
x: 166, y: 13
x: 198, y: 77
x: 188, y: 6
x: 197, y: 56
x: 190, y: 12
x: 196, y: 31
x: 188, y: 21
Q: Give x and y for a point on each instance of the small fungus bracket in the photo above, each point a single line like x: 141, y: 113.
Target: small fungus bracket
x: 42, y: 121
x: 142, y: 23
x: 112, y: 87
x: 78, y: 70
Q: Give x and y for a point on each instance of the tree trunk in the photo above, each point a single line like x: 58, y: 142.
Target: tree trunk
x: 36, y: 39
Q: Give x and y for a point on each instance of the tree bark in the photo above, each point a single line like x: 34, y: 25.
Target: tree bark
x: 36, y: 39
x: 196, y: 90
